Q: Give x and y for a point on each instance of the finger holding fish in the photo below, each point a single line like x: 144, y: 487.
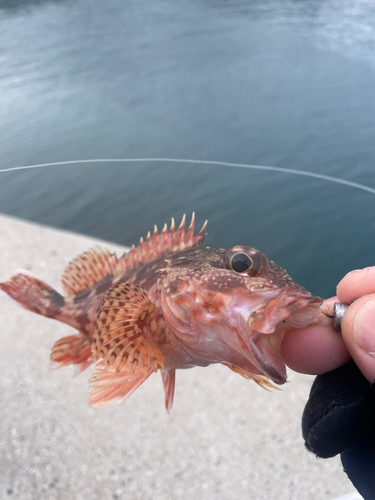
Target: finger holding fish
x: 319, y: 349
x: 315, y: 349
x: 357, y: 288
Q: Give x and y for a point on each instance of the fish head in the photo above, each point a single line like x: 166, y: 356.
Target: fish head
x: 235, y: 307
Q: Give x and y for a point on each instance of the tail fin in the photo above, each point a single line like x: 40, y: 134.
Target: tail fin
x: 38, y: 297
x: 33, y: 294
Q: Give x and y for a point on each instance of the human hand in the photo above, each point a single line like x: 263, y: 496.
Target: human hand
x: 317, y: 349
x: 339, y: 416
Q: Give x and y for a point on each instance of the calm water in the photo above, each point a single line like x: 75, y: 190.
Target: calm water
x: 289, y: 84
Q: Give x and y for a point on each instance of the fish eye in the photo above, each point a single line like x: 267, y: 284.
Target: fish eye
x: 240, y: 262
x: 244, y: 259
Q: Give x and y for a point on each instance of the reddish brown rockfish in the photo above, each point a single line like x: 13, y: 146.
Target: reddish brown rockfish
x: 168, y: 304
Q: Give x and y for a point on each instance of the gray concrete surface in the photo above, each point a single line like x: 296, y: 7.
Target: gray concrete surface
x: 225, y: 439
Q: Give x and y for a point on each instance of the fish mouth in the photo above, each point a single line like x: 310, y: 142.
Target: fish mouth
x: 284, y: 308
x: 270, y: 324
x: 266, y: 354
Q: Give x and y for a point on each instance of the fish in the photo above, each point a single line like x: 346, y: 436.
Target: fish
x: 169, y: 304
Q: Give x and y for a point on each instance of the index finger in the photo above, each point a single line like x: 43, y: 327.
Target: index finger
x: 356, y: 284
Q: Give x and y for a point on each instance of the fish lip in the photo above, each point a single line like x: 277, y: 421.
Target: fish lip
x: 267, y: 332
x: 266, y: 320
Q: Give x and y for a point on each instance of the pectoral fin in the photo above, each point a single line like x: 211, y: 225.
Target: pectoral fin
x: 128, y: 328
x: 107, y: 385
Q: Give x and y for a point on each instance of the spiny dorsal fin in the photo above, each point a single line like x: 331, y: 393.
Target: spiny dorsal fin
x: 99, y: 263
x: 108, y: 386
x: 162, y: 243
x: 88, y: 269
x: 262, y: 380
x: 126, y: 329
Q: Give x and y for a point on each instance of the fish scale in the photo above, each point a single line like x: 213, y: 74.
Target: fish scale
x: 169, y: 304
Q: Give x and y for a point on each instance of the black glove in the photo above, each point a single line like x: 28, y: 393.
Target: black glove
x: 339, y: 417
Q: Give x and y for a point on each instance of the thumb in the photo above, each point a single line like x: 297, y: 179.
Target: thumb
x: 358, y: 330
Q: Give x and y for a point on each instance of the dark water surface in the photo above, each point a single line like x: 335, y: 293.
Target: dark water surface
x: 289, y: 84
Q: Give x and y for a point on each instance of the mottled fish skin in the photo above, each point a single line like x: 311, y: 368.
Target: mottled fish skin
x: 169, y: 304
x: 85, y: 281
x: 225, y: 313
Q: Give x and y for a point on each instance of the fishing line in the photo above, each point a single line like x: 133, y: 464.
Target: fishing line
x: 202, y: 162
